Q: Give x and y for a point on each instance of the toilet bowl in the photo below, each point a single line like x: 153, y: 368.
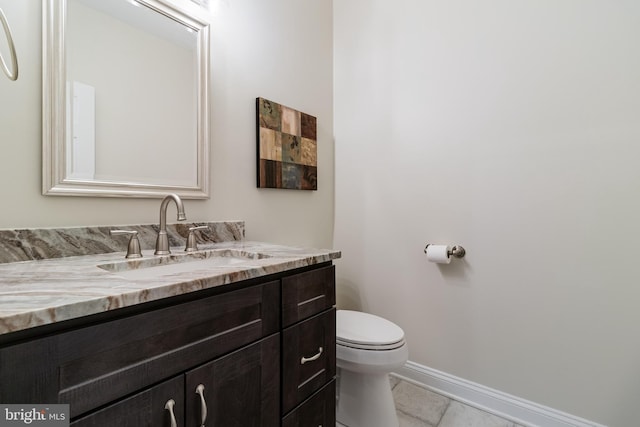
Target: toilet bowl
x: 368, y: 348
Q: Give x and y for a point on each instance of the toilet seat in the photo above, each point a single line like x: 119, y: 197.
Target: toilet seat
x: 366, y: 331
x: 370, y: 347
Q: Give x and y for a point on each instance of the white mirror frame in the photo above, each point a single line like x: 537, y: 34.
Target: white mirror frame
x: 54, y: 180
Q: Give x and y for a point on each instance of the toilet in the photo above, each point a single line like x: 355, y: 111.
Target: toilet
x: 368, y: 348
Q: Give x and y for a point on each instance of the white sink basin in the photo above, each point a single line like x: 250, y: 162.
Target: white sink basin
x: 201, y: 261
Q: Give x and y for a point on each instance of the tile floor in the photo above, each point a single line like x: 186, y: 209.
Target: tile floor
x: 418, y: 407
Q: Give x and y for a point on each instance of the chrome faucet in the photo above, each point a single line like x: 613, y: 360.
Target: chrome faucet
x: 162, y: 243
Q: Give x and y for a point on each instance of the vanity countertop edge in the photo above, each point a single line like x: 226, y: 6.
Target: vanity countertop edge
x: 43, y: 292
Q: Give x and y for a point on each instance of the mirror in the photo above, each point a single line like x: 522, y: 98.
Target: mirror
x: 125, y: 98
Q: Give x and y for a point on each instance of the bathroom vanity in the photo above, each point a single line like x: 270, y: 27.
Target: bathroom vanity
x: 246, y: 341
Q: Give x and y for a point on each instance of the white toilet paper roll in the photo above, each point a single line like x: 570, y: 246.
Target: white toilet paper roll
x: 439, y: 254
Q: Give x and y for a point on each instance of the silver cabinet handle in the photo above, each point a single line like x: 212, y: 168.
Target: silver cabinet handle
x: 169, y: 406
x: 312, y: 358
x: 203, y: 404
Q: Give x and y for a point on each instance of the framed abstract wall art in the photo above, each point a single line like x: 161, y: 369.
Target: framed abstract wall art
x: 286, y: 146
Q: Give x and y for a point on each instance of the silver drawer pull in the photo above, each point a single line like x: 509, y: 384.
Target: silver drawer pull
x: 312, y: 358
x: 203, y: 404
x: 169, y: 406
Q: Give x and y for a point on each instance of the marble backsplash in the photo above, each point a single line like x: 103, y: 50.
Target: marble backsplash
x: 44, y: 243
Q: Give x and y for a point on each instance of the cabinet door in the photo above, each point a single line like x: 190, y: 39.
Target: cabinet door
x: 145, y: 409
x: 241, y: 389
x: 308, y: 358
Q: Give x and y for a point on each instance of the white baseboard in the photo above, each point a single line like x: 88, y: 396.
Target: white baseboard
x: 495, y: 402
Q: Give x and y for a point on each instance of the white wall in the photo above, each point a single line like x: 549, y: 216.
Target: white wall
x: 256, y: 51
x: 511, y: 128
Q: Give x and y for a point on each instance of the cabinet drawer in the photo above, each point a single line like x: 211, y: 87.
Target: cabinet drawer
x: 306, y: 294
x: 102, y: 362
x: 319, y: 410
x: 146, y: 408
x: 309, y: 357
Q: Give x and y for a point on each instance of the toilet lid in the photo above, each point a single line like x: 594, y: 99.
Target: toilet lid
x: 364, y: 330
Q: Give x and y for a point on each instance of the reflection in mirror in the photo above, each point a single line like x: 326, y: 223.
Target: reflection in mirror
x: 125, y: 99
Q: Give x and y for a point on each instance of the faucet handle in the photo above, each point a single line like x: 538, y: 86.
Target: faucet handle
x: 133, y: 249
x: 192, y: 245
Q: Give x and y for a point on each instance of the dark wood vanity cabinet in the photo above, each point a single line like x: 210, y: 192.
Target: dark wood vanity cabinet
x: 245, y: 356
x: 309, y: 348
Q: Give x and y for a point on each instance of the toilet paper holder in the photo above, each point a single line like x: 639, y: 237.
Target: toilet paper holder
x: 455, y: 251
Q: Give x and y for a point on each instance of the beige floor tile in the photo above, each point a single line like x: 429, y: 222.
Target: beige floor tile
x: 405, y: 420
x: 419, y: 402
x: 459, y: 415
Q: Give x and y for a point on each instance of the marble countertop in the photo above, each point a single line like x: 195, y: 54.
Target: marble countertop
x: 35, y: 293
